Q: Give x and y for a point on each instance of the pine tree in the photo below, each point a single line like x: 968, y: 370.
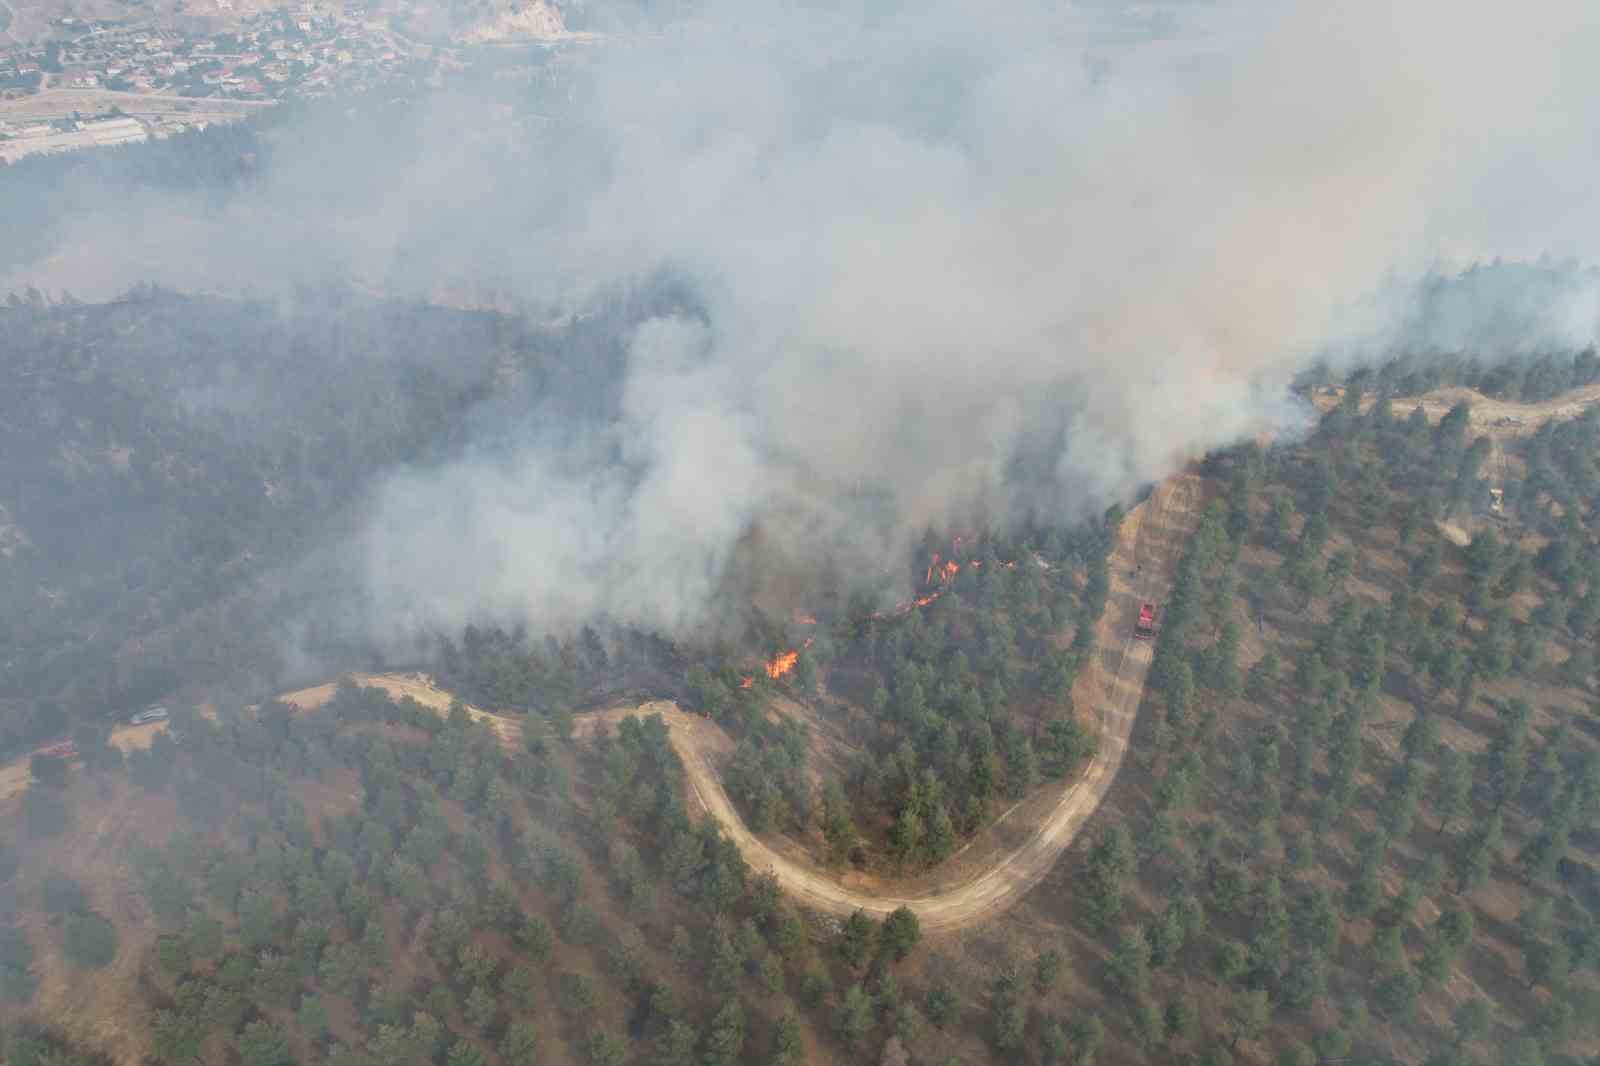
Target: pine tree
x: 726, y: 1037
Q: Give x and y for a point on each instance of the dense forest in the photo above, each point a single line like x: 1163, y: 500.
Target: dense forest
x: 1358, y: 823
x: 943, y: 707
x: 374, y: 883
x: 952, y: 705
x: 1368, y: 828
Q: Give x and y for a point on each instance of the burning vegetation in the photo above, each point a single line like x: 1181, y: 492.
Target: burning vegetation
x: 964, y: 683
x: 940, y: 573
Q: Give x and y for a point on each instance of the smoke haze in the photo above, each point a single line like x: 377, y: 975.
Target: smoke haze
x: 946, y: 264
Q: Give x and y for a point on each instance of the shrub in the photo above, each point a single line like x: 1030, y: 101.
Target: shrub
x: 89, y: 939
x: 48, y: 770
x: 60, y: 894
x: 44, y: 813
x: 16, y: 957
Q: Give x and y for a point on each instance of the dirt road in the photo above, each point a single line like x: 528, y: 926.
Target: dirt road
x: 65, y: 100
x: 15, y: 776
x: 1488, y: 414
x: 1149, y: 544
x: 419, y: 687
x: 1499, y: 420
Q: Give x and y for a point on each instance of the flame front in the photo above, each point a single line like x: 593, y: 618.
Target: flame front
x: 943, y: 571
x: 778, y: 666
x: 782, y: 664
x: 940, y: 569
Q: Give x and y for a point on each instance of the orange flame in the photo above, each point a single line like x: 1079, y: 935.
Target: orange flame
x: 782, y: 664
x: 747, y: 682
x: 807, y: 619
x: 945, y: 569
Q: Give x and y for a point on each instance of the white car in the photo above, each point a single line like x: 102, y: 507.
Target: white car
x: 148, y: 715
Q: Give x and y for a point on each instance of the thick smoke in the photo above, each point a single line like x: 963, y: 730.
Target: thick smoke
x: 951, y: 263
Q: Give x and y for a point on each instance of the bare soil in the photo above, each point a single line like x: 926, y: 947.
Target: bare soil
x: 1498, y: 420
x: 1487, y: 412
x: 416, y: 686
x: 15, y: 777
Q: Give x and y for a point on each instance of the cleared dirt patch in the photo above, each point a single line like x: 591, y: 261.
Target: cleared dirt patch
x: 417, y: 686
x: 15, y: 778
x: 1488, y: 415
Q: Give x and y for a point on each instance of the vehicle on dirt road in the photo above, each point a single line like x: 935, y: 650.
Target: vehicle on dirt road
x: 1145, y: 627
x: 148, y: 715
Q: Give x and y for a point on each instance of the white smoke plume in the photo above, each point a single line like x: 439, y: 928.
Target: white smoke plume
x: 929, y: 245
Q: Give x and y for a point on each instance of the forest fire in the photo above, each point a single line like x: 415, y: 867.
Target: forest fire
x: 940, y: 571
x: 779, y: 665
x: 948, y: 569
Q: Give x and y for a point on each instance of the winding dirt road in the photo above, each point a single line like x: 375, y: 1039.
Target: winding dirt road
x: 1149, y: 544
x: 1498, y: 419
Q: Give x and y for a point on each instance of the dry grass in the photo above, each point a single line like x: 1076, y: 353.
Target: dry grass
x: 103, y: 1008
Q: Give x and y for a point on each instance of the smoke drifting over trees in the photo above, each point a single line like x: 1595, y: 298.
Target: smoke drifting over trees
x: 937, y: 264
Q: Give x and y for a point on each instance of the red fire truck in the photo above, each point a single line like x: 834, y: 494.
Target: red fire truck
x: 1145, y: 627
